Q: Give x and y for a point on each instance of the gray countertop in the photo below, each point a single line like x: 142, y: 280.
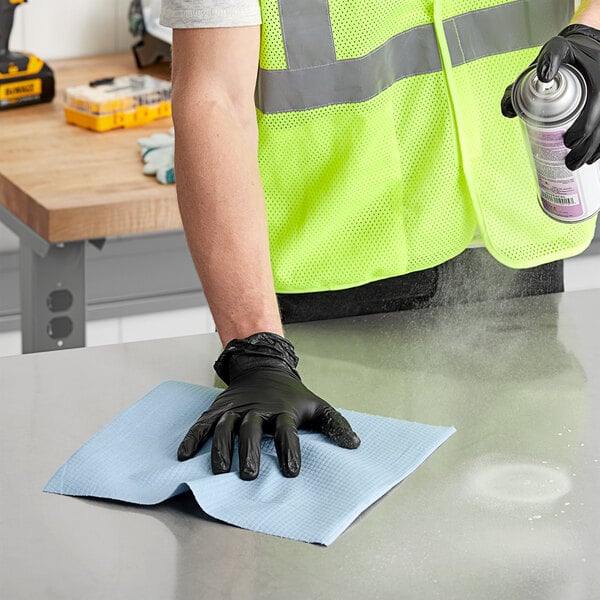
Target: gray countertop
x: 507, y: 508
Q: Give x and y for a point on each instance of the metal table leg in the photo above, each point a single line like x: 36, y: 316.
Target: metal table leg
x: 53, y: 297
x: 52, y: 286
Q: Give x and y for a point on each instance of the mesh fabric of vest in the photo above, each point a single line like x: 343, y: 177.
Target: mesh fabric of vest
x: 397, y: 183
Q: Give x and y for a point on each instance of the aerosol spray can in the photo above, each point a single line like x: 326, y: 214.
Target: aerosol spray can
x: 547, y: 111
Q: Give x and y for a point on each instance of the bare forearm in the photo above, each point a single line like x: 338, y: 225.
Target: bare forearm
x: 218, y: 182
x: 588, y: 13
x: 222, y: 205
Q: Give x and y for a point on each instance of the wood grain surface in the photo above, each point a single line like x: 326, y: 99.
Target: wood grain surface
x: 68, y: 183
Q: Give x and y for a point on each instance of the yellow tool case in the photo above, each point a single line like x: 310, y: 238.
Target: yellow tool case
x: 111, y: 103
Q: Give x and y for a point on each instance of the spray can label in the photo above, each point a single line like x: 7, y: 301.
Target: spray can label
x: 547, y: 110
x: 559, y: 193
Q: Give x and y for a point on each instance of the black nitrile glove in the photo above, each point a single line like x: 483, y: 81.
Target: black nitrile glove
x: 577, y: 45
x: 265, y: 395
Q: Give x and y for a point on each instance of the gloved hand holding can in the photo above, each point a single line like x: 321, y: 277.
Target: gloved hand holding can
x: 558, y: 99
x: 579, y: 46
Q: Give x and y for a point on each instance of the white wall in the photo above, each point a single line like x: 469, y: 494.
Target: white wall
x: 55, y: 29
x: 67, y: 28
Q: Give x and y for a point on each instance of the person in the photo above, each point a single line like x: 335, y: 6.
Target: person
x: 341, y: 158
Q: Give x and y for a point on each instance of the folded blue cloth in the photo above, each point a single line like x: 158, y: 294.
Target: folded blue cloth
x: 134, y: 459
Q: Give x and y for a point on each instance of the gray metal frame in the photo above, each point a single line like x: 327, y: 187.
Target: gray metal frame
x: 26, y: 235
x: 46, y: 268
x: 62, y: 269
x: 132, y: 275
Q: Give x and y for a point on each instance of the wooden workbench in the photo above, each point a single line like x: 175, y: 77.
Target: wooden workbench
x: 61, y: 185
x: 68, y: 183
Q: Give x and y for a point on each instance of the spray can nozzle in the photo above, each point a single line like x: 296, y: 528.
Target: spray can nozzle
x: 544, y: 87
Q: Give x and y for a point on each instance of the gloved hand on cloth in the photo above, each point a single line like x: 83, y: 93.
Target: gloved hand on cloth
x: 265, y: 396
x: 157, y: 154
x: 579, y: 46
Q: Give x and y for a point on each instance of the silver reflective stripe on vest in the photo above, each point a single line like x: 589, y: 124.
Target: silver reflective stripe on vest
x: 352, y: 80
x: 306, y: 31
x: 504, y: 28
x: 315, y: 79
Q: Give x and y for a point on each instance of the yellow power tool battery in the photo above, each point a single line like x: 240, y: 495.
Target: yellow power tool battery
x: 25, y: 80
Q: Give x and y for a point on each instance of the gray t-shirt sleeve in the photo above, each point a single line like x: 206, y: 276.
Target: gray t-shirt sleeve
x: 187, y: 14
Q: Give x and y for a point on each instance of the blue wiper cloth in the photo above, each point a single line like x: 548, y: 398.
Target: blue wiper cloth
x: 134, y: 459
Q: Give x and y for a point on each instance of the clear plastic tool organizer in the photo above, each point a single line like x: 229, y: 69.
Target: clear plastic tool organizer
x: 111, y: 103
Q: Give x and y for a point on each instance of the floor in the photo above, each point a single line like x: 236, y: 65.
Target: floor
x: 580, y: 273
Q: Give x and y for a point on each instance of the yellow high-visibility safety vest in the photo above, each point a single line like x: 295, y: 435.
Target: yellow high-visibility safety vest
x: 382, y: 145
